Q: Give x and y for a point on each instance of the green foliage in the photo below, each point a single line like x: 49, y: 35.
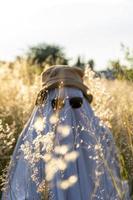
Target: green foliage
x: 128, y: 74
x: 45, y: 54
x: 128, y: 55
x: 91, y: 64
x: 79, y: 63
x: 120, y: 71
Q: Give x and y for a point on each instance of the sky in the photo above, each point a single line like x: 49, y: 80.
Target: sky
x: 87, y: 28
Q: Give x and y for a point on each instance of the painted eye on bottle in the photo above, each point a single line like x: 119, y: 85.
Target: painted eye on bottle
x: 76, y: 102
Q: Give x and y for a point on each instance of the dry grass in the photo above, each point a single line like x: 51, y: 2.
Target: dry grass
x: 122, y: 120
x: 19, y: 87
x: 17, y: 98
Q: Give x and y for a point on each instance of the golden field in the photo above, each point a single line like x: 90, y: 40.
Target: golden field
x: 19, y: 85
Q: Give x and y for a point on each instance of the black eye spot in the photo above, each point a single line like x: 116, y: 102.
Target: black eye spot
x: 76, y: 102
x: 54, y: 103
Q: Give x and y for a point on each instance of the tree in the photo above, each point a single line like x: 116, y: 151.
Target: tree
x: 43, y: 54
x: 91, y: 64
x: 79, y: 63
x: 128, y: 55
x: 117, y: 68
x: 125, y: 71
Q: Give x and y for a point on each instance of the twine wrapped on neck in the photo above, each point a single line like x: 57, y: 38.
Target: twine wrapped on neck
x: 64, y: 75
